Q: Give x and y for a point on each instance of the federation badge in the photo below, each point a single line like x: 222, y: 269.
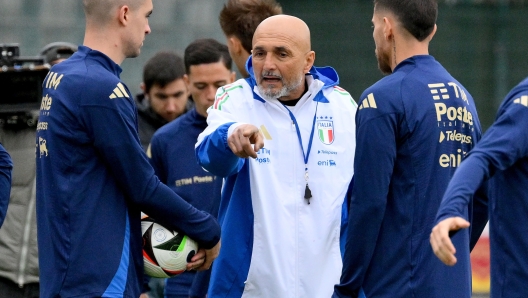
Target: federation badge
x: 325, y: 130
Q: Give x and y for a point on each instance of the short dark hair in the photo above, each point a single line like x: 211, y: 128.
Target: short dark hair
x: 418, y: 17
x: 241, y: 18
x: 162, y: 69
x: 205, y: 51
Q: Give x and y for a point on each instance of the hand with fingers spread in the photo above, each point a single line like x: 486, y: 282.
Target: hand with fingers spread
x: 441, y: 242
x: 245, y: 141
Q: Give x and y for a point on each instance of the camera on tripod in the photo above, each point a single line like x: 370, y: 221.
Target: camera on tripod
x: 21, y: 81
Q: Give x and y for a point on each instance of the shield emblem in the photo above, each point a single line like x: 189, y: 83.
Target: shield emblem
x: 325, y: 130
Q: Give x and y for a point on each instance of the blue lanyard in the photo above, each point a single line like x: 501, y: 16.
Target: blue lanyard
x: 307, y: 191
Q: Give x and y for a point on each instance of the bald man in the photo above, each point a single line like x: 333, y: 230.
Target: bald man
x: 239, y: 20
x: 93, y: 178
x: 284, y: 140
x: 414, y: 127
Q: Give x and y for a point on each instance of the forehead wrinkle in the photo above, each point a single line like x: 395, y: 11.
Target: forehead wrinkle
x: 270, y: 41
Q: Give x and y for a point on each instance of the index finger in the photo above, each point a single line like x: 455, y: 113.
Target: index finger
x: 258, y: 140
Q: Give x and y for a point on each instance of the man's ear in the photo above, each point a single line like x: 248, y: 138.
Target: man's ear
x: 432, y: 33
x: 388, y: 28
x: 310, y: 59
x: 186, y: 81
x: 235, y: 44
x: 143, y: 88
x: 123, y: 14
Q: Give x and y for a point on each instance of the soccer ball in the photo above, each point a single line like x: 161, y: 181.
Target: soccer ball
x: 165, y: 252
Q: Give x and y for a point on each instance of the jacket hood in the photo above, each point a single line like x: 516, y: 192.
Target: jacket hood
x: 326, y: 74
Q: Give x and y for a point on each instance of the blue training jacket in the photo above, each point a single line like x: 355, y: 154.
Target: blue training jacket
x: 503, y: 155
x: 6, y: 166
x: 93, y: 180
x: 174, y: 161
x: 413, y: 129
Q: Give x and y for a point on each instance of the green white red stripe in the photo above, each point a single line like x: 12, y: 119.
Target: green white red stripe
x: 220, y: 101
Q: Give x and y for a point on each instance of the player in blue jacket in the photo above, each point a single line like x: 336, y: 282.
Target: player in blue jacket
x: 502, y: 156
x: 207, y: 67
x: 414, y: 127
x: 93, y: 178
x: 6, y: 166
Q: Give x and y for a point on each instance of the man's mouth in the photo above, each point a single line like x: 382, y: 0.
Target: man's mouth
x: 271, y: 79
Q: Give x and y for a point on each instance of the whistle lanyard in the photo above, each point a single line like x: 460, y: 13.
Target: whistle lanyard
x: 307, y: 191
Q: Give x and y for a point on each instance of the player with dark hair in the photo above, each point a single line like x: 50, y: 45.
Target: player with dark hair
x: 501, y: 158
x: 239, y: 20
x: 208, y: 67
x: 93, y: 178
x: 207, y: 51
x: 414, y: 127
x: 164, y: 96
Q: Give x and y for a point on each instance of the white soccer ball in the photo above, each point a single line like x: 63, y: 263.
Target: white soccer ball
x: 165, y: 252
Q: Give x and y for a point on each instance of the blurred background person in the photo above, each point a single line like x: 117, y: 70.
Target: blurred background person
x: 19, y: 270
x: 164, y: 96
x: 239, y: 20
x: 208, y: 67
x: 56, y: 52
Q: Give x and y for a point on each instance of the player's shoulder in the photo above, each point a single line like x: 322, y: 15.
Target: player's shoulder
x: 382, y: 95
x: 518, y: 96
x: 239, y: 90
x: 520, y: 90
x: 338, y: 95
x: 106, y: 83
x: 93, y: 81
x: 235, y: 88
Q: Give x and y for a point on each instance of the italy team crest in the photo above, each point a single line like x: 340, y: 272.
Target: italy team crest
x: 325, y: 130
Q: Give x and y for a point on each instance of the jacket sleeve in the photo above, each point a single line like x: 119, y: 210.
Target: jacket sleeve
x: 367, y: 208
x: 504, y: 143
x: 6, y: 166
x: 113, y: 130
x: 212, y: 150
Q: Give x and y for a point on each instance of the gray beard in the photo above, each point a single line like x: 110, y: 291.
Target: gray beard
x: 269, y: 94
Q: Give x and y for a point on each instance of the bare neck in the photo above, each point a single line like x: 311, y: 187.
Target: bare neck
x: 105, y: 41
x: 404, y: 48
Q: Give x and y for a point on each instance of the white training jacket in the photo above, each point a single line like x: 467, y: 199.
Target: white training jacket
x: 275, y: 244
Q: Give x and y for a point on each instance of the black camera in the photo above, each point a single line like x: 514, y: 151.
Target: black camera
x: 21, y: 81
